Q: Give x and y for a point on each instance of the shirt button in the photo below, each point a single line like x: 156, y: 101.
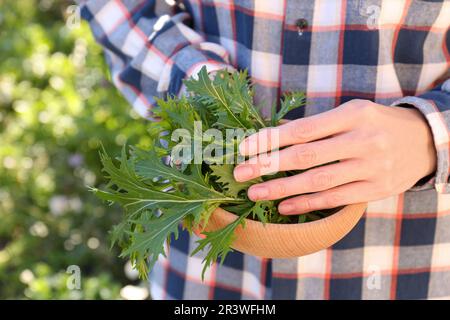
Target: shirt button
x: 301, y: 24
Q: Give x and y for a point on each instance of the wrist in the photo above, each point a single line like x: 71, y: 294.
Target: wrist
x: 425, y: 142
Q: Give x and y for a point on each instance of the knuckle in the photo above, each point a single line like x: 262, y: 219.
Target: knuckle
x: 305, y: 157
x: 362, y: 107
x: 302, y: 131
x: 355, y: 105
x: 269, y: 162
x: 307, y: 205
x: 264, y: 160
x: 368, y: 108
x: 262, y: 143
x: 271, y: 135
x: 380, y: 142
x: 280, y: 190
x: 358, y: 103
x: 334, y: 199
x: 361, y: 102
x: 388, y: 165
x: 321, y: 179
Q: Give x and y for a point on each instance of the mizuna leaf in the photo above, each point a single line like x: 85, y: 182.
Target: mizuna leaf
x: 225, y: 177
x: 158, y: 196
x: 214, y: 93
x: 260, y: 210
x: 149, y: 166
x: 289, y: 102
x: 149, y: 242
x: 219, y: 243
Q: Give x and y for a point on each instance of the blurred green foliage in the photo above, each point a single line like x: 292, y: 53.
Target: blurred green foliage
x: 56, y: 107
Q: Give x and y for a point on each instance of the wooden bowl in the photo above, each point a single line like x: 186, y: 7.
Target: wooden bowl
x: 288, y: 240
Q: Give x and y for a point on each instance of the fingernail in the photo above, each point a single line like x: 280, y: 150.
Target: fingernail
x: 242, y: 173
x: 285, y: 208
x: 258, y: 193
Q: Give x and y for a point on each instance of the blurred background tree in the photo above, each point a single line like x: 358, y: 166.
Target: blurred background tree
x: 56, y: 107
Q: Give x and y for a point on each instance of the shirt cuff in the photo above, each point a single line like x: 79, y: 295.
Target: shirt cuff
x: 441, y: 134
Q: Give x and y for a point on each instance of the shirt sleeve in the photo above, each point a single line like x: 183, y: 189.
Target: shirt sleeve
x: 150, y: 48
x: 435, y: 106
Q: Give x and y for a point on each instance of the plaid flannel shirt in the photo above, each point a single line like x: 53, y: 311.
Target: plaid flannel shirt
x: 393, y: 52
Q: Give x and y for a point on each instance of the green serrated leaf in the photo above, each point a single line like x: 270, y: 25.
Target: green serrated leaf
x: 219, y: 243
x: 260, y: 210
x: 149, y: 243
x: 160, y: 195
x: 224, y: 175
x: 290, y: 101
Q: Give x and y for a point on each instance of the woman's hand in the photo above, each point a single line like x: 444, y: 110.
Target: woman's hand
x: 382, y: 151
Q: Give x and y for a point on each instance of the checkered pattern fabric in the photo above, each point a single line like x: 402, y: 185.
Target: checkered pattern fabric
x: 394, y: 52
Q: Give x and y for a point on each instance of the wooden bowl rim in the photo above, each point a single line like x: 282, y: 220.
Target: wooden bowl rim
x: 330, y: 219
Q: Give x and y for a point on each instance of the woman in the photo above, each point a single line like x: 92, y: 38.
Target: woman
x: 375, y: 74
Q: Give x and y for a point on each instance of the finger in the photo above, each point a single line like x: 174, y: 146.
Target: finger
x: 355, y: 192
x: 313, y: 180
x: 297, y: 131
x: 298, y: 157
